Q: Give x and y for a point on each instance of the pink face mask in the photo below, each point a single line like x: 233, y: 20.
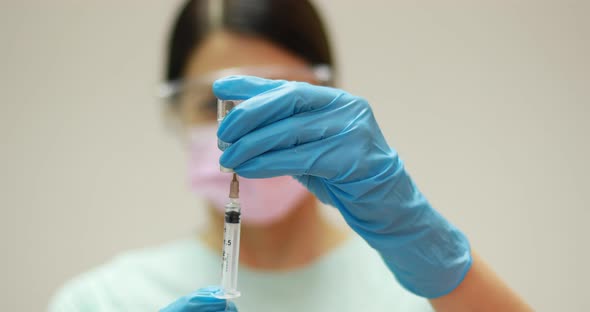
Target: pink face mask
x: 263, y: 201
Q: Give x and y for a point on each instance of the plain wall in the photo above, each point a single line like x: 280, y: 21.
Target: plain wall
x: 487, y: 102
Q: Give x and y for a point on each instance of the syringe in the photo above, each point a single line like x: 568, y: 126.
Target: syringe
x: 231, y: 244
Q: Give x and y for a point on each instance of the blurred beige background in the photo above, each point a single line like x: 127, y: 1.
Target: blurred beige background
x: 487, y: 101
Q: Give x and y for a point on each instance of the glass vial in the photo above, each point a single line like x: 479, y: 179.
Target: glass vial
x: 223, y: 108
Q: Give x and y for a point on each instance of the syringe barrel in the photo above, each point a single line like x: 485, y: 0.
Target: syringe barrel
x: 231, y: 254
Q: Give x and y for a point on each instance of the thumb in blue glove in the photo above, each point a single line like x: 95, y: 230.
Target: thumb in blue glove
x: 329, y: 141
x: 201, y: 300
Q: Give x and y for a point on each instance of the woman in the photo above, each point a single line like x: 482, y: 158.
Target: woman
x: 292, y: 143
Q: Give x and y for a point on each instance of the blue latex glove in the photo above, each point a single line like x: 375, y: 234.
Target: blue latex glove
x: 201, y: 300
x: 329, y: 141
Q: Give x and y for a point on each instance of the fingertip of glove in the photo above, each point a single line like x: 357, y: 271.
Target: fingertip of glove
x: 223, y: 163
x: 221, y: 132
x: 221, y: 86
x: 206, y: 294
x: 239, y: 87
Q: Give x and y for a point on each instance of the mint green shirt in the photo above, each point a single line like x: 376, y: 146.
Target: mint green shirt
x: 351, y: 278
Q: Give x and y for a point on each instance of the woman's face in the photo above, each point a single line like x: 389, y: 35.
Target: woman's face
x: 222, y: 50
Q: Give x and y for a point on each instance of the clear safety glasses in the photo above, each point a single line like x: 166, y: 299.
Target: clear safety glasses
x: 193, y: 100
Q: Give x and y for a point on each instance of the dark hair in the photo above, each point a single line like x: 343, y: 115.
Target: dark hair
x: 294, y: 25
